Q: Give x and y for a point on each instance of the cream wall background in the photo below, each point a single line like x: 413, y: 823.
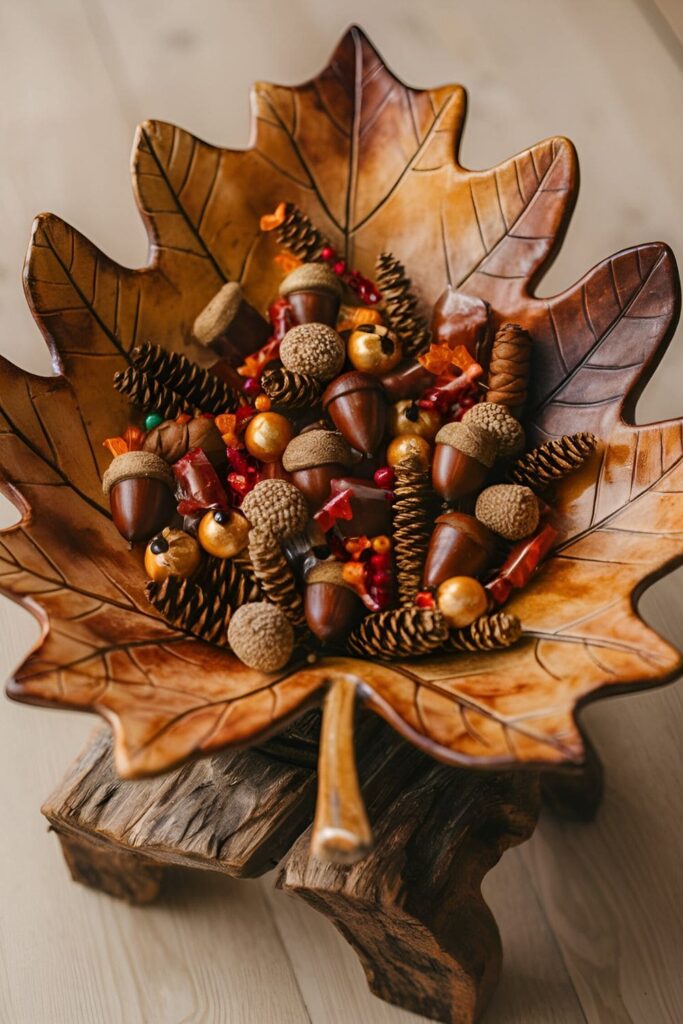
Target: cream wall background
x: 590, y: 915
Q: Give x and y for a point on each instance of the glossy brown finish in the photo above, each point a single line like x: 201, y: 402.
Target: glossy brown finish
x: 494, y: 232
x: 315, y: 482
x: 461, y: 319
x: 369, y: 505
x: 247, y: 333
x: 314, y: 307
x: 408, y: 380
x: 454, y: 474
x: 141, y: 507
x: 355, y: 404
x: 459, y: 546
x: 331, y: 611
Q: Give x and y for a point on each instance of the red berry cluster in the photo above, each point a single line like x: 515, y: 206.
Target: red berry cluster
x: 365, y: 289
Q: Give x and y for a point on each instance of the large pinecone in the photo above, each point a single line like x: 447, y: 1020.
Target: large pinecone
x: 552, y: 460
x: 399, y: 633
x: 291, y: 390
x: 413, y: 509
x: 487, y: 633
x: 274, y: 574
x: 400, y: 304
x: 147, y: 393
x: 298, y: 234
x: 195, y: 385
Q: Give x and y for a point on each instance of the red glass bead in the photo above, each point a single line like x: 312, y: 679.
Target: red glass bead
x: 340, y: 267
x: 251, y: 387
x: 379, y: 562
x: 424, y: 599
x: 328, y: 254
x: 243, y: 414
x: 384, y: 476
x: 382, y: 579
x: 372, y: 297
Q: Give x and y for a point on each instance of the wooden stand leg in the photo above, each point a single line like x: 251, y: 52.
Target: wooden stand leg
x: 128, y: 876
x: 413, y: 909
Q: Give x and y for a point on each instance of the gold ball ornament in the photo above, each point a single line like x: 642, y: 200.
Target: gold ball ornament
x: 407, y: 446
x: 171, y: 553
x: 407, y: 417
x: 267, y: 435
x: 223, y: 534
x: 374, y: 349
x: 461, y: 600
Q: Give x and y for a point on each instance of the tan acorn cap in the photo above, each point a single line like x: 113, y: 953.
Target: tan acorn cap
x: 311, y: 277
x: 329, y: 571
x: 261, y: 636
x: 510, y: 510
x: 500, y: 422
x: 314, y: 349
x: 278, y: 505
x: 469, y: 439
x: 316, y: 448
x: 137, y: 466
x: 217, y: 316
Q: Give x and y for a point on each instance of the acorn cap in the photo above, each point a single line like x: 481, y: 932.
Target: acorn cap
x: 349, y: 382
x: 500, y: 422
x: 329, y: 571
x: 277, y: 504
x: 261, y: 636
x: 509, y: 510
x: 315, y: 349
x: 316, y: 448
x: 312, y: 277
x: 469, y: 439
x: 217, y: 316
x: 135, y: 466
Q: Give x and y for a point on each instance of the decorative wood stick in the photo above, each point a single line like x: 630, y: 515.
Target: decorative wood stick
x: 341, y: 830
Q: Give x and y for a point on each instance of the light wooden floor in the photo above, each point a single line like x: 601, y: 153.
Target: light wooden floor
x: 591, y: 916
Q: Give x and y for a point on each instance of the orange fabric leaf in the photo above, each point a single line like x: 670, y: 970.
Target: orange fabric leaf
x: 270, y: 221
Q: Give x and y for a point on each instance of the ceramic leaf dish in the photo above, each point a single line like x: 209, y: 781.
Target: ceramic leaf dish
x: 374, y: 164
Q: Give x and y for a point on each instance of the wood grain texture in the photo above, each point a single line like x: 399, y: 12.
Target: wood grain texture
x: 324, y: 145
x: 70, y: 956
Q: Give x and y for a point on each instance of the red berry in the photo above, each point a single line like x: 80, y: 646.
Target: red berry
x: 380, y: 562
x: 251, y: 387
x: 384, y: 476
x: 382, y: 579
x: 340, y: 267
x: 372, y: 297
x: 328, y: 254
x: 424, y: 599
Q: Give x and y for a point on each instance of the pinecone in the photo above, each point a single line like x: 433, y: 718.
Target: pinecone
x: 298, y: 235
x: 229, y: 580
x: 487, y: 633
x: 274, y: 574
x: 291, y: 390
x: 413, y: 511
x: 198, y: 387
x: 185, y: 605
x: 148, y: 393
x: 399, y: 633
x: 400, y: 304
x: 553, y: 460
x: 509, y: 367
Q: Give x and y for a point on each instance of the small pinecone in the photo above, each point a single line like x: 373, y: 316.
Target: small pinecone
x: 299, y: 236
x: 400, y: 304
x: 147, y: 393
x: 508, y: 377
x: 553, y: 460
x: 197, y: 386
x: 291, y: 390
x: 413, y: 518
x: 487, y: 633
x: 229, y: 580
x: 274, y: 574
x: 399, y: 633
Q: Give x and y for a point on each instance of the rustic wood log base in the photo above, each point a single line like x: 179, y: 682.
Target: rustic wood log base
x: 412, y: 909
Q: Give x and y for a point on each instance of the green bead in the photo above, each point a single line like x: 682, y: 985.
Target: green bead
x: 153, y: 420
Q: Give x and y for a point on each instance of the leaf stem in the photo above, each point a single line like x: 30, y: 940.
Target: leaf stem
x: 341, y: 830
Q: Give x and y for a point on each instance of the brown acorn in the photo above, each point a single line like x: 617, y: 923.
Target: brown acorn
x: 460, y: 319
x: 314, y: 292
x: 460, y: 546
x: 355, y: 404
x: 332, y: 607
x: 372, y: 514
x: 314, y: 459
x: 463, y: 456
x: 230, y: 326
x: 408, y: 380
x: 139, y: 486
x: 172, y: 439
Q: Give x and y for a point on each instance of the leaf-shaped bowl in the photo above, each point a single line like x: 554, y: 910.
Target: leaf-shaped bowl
x: 375, y: 165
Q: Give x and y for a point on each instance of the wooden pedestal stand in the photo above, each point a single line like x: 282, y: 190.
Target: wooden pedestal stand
x: 412, y: 909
